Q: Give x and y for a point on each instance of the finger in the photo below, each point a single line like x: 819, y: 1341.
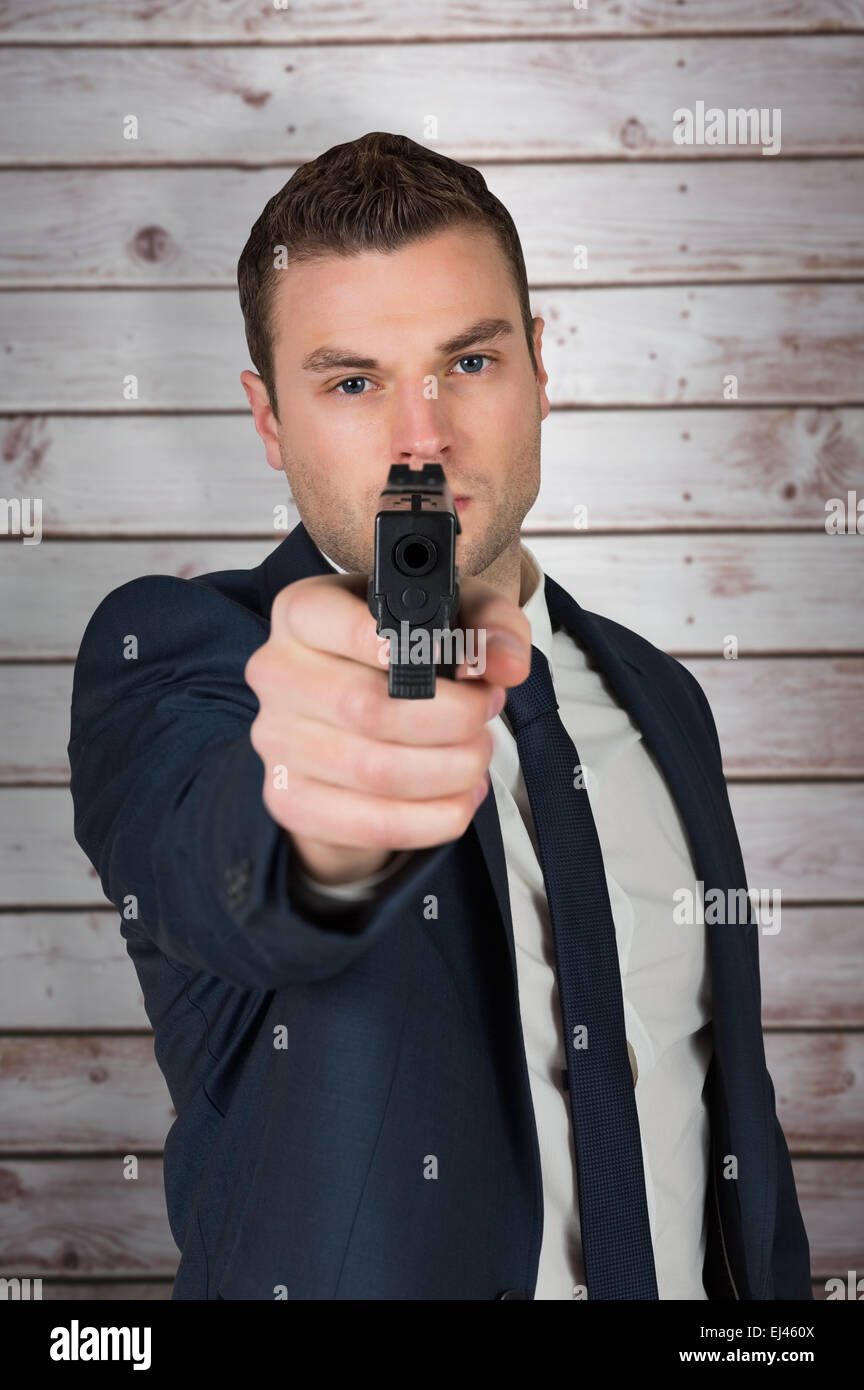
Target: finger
x: 501, y: 639
x: 330, y: 613
x: 346, y: 695
x: 382, y: 768
x: 350, y: 818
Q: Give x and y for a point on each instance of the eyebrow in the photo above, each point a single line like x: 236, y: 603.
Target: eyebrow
x: 324, y: 359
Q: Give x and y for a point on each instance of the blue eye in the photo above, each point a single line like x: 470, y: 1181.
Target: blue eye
x: 347, y: 382
x: 474, y: 357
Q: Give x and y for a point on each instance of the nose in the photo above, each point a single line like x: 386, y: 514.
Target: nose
x: 420, y: 430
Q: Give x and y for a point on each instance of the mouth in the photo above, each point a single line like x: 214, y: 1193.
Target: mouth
x: 461, y: 503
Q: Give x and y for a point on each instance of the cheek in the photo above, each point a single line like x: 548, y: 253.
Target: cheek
x: 319, y: 433
x: 505, y: 402
x: 336, y: 424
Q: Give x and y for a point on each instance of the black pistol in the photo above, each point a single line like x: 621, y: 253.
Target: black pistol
x: 413, y: 592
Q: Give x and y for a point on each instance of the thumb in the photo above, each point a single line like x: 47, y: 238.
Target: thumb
x: 502, y: 635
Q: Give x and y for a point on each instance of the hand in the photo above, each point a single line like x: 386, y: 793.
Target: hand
x: 366, y: 775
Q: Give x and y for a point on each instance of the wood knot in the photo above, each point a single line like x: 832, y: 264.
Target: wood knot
x: 151, y: 244
x: 633, y: 135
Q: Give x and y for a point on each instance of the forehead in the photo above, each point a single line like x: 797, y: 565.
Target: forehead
x: 421, y: 290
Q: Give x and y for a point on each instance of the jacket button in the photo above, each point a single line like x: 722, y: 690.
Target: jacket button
x: 513, y: 1293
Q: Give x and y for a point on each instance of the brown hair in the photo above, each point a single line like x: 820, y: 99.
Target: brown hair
x: 375, y: 193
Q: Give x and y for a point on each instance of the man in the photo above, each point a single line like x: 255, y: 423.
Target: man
x: 424, y: 1042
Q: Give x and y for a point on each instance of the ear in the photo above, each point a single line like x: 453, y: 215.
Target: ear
x: 266, y: 423
x: 542, y: 375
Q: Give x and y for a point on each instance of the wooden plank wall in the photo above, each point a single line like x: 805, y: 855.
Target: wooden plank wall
x: 706, y: 516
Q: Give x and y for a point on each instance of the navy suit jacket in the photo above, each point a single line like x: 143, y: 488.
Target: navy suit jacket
x: 318, y: 1065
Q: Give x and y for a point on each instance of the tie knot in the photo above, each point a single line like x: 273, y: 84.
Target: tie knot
x: 535, y: 696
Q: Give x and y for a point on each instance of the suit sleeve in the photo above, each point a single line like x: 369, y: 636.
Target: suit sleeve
x: 790, y: 1258
x: 167, y: 795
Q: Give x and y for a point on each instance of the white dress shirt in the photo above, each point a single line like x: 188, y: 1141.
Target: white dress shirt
x: 664, y: 973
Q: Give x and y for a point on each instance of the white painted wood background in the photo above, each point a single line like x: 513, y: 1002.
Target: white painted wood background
x: 705, y: 517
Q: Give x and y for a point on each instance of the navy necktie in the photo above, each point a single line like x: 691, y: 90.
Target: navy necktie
x: 616, y: 1235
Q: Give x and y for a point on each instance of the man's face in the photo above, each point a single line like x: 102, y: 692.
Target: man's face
x: 375, y: 363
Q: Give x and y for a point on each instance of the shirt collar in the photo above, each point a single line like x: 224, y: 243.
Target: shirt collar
x: 535, y: 607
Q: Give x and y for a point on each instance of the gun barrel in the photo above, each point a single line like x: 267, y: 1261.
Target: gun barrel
x: 413, y: 591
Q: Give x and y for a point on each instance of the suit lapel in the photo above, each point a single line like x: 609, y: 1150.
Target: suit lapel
x: 298, y: 557
x: 662, y: 731
x: 487, y: 828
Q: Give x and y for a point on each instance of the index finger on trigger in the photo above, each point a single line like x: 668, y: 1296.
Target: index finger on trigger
x: 334, y: 617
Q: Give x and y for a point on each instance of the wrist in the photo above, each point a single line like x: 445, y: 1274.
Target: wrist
x: 333, y: 865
